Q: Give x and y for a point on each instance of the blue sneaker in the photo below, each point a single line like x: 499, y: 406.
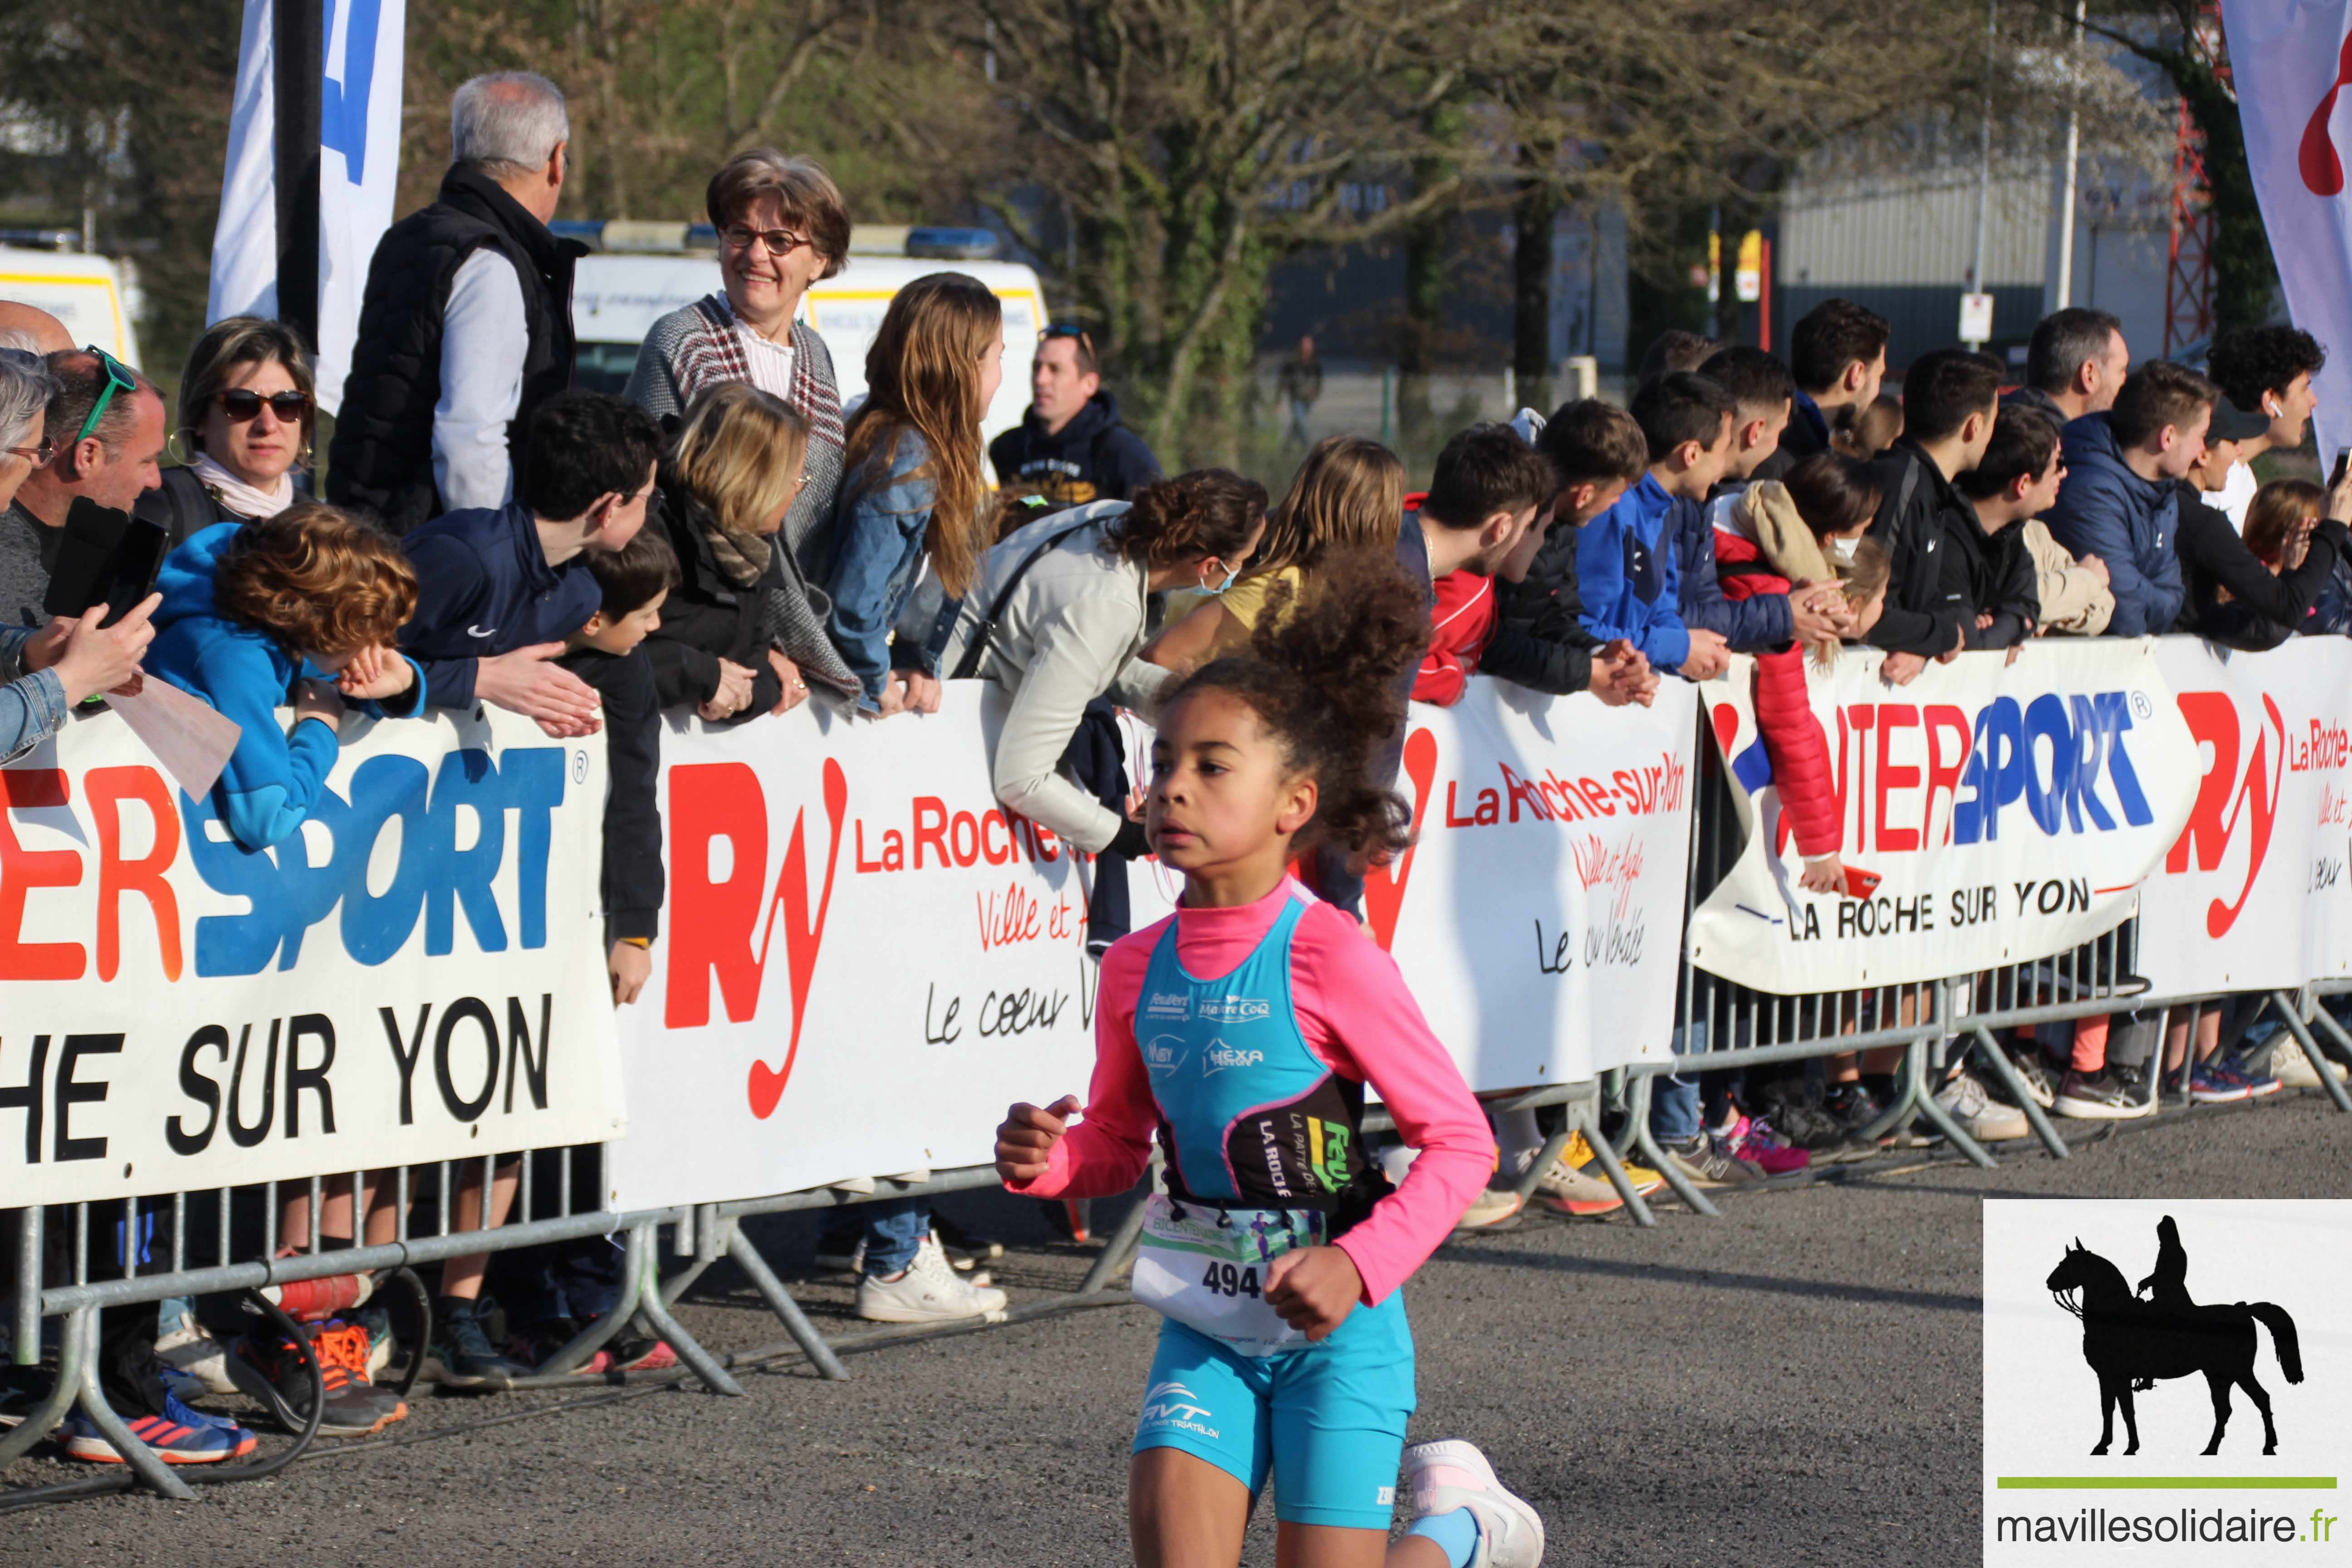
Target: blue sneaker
x: 179, y: 1436
x: 2234, y: 1070
x: 2210, y: 1083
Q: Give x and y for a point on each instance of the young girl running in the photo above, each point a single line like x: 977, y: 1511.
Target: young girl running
x: 1242, y: 1032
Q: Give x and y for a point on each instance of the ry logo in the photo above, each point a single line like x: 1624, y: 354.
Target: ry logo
x: 712, y: 923
x: 1384, y: 885
x: 2226, y: 795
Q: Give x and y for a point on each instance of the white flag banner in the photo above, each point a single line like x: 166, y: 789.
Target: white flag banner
x: 2291, y: 63
x: 359, y: 169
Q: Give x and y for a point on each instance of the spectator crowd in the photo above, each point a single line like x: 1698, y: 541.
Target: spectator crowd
x: 729, y: 537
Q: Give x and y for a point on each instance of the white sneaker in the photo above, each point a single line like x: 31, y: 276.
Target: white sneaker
x: 2291, y: 1068
x: 1455, y: 1474
x: 930, y: 1292
x: 1980, y: 1116
x: 191, y: 1352
x: 1491, y: 1207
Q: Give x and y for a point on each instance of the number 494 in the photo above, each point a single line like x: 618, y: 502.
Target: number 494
x: 1224, y: 1279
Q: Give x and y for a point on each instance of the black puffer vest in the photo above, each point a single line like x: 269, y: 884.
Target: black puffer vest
x: 381, y: 455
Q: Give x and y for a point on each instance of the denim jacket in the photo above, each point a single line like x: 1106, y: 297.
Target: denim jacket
x: 32, y: 707
x: 878, y: 529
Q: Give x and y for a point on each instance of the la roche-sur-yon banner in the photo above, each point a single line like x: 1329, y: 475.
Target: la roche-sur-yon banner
x: 2254, y: 893
x: 865, y: 959
x: 417, y: 976
x: 1992, y: 812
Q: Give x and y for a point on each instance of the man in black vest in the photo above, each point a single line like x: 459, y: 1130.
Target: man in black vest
x: 466, y: 326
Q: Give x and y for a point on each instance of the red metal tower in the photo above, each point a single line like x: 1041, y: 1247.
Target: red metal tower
x: 2189, y: 272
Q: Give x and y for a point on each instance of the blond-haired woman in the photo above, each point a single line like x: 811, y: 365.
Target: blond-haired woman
x: 742, y: 634
x: 911, y: 504
x: 1346, y: 499
x: 782, y: 226
x: 247, y: 419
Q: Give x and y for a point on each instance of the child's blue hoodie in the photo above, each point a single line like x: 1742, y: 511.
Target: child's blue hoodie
x: 1626, y: 572
x: 272, y: 779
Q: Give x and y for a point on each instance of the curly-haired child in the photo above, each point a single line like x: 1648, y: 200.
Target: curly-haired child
x: 301, y: 609
x: 1277, y: 1253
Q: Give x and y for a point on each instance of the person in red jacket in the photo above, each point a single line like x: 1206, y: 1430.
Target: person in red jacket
x: 1766, y: 541
x: 1488, y: 480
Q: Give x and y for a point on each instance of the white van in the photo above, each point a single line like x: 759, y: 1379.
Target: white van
x: 618, y: 295
x: 91, y: 295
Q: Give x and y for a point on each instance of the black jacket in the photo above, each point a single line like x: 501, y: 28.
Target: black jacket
x: 1808, y: 432
x: 1990, y: 573
x: 633, y: 882
x: 382, y: 456
x: 2261, y: 611
x: 1093, y: 458
x: 1915, y: 504
x: 1540, y: 640
x: 706, y: 617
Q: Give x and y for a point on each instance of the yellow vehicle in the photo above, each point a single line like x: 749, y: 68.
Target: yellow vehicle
x: 91, y: 295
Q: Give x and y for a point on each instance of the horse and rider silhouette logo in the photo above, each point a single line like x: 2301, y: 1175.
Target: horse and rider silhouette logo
x: 2132, y: 1343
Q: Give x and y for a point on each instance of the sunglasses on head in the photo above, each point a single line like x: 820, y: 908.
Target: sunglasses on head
x: 1067, y: 330
x: 117, y: 379
x: 242, y: 404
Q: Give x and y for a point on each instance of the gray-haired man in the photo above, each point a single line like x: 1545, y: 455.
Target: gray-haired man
x: 466, y: 326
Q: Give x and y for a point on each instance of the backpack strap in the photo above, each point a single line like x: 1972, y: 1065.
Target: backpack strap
x: 969, y: 665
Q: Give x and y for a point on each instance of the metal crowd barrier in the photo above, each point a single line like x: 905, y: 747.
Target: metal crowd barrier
x: 1932, y: 1023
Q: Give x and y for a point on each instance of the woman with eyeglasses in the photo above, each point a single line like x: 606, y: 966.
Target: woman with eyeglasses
x: 781, y: 227
x: 247, y: 419
x: 45, y: 671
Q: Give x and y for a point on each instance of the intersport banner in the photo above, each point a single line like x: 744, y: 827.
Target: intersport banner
x: 865, y: 959
x: 1992, y: 812
x: 2253, y: 894
x: 418, y: 975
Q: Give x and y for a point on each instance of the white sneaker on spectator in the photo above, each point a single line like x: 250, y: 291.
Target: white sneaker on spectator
x: 2291, y: 1068
x: 1490, y: 1208
x: 928, y: 1291
x: 190, y: 1350
x: 1454, y: 1474
x: 1980, y: 1116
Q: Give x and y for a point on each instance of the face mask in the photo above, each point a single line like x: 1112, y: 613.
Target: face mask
x: 1843, y: 549
x: 1218, y: 592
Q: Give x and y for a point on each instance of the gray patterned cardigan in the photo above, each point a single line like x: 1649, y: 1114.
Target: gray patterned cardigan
x: 695, y: 347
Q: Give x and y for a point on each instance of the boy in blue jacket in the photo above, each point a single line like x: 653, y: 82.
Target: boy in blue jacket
x: 501, y: 590
x: 1625, y: 559
x: 302, y: 608
x: 2119, y: 501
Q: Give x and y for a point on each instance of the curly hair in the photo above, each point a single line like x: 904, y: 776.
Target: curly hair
x: 1325, y: 680
x: 1209, y: 511
x: 317, y: 579
x: 2245, y: 364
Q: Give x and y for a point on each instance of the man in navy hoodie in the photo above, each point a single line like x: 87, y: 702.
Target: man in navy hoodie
x: 2119, y: 501
x: 498, y: 591
x: 1070, y: 448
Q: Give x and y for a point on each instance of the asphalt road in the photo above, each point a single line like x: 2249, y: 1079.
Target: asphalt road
x: 1796, y: 1383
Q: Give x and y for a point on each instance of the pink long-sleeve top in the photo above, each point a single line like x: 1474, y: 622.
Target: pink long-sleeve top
x: 1355, y: 1014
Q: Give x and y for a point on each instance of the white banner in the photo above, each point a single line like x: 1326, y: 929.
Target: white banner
x: 2290, y: 64
x: 1992, y: 814
x: 359, y: 170
x: 418, y: 976
x: 2254, y: 894
x: 863, y: 961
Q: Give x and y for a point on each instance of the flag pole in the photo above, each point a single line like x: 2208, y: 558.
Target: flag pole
x: 297, y: 57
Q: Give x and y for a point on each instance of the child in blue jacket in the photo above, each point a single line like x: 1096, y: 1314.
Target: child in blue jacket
x: 299, y: 609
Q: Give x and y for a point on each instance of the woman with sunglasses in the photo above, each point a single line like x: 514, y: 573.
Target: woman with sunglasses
x: 781, y: 227
x: 246, y: 418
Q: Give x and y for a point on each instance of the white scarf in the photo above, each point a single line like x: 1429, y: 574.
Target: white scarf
x: 240, y: 498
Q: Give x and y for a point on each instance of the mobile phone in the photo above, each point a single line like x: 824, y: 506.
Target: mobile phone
x: 106, y: 557
x: 2343, y: 461
x: 1860, y: 884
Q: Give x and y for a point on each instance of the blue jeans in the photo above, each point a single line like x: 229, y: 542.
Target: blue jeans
x: 895, y: 1229
x: 1674, y: 1099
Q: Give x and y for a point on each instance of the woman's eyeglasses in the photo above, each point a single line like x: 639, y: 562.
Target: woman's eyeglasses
x: 241, y: 405
x: 781, y: 242
x: 38, y: 456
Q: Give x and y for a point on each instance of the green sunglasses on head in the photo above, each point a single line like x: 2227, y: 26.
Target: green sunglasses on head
x: 117, y: 379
